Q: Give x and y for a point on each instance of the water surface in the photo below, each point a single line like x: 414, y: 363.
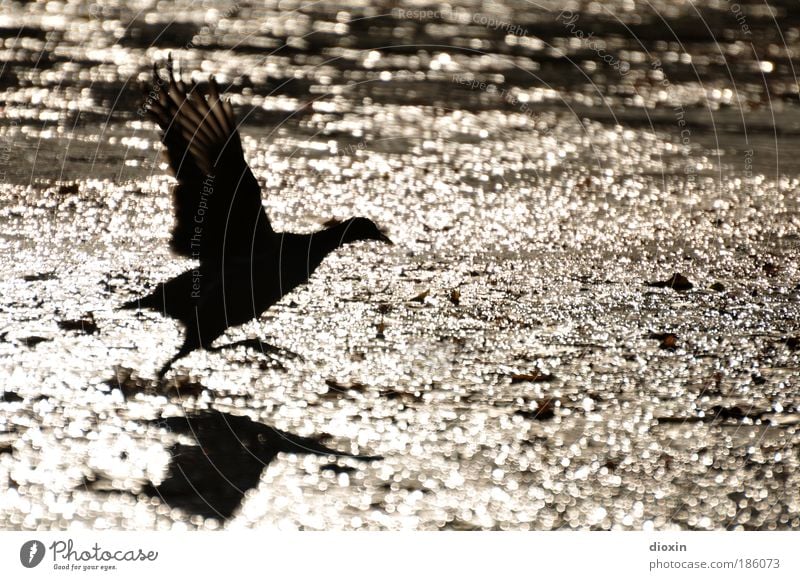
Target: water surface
x: 496, y: 368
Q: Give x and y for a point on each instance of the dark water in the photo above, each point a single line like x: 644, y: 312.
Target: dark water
x: 497, y: 367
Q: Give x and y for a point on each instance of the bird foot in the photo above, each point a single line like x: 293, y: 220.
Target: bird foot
x: 259, y: 346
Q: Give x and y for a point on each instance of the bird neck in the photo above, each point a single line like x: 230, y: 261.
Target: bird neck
x: 314, y: 247
x: 332, y: 237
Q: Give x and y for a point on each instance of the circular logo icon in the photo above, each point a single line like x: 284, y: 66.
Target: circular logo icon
x: 31, y: 553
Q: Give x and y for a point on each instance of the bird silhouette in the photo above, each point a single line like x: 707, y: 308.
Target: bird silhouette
x: 244, y: 265
x: 212, y: 477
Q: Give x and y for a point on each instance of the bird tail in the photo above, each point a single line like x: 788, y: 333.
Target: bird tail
x: 134, y: 304
x: 153, y: 301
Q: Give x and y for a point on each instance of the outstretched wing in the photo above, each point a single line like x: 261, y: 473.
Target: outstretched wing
x: 217, y: 200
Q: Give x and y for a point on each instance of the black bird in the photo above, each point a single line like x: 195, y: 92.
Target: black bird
x: 245, y: 266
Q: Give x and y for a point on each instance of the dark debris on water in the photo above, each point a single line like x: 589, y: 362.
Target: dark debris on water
x: 10, y: 397
x: 545, y: 409
x: 534, y: 377
x: 668, y: 340
x: 420, y: 298
x: 39, y: 276
x: 85, y: 324
x: 677, y: 282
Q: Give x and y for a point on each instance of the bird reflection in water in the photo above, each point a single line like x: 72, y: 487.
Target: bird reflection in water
x: 211, y: 478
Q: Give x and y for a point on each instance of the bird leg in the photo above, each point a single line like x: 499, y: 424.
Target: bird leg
x: 265, y: 348
x: 185, y: 349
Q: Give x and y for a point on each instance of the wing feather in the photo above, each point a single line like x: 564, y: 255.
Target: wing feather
x: 217, y: 200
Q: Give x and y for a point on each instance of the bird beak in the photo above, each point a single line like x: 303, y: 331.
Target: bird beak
x: 385, y: 239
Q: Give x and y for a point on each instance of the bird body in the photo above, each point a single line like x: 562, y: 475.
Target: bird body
x: 244, y: 265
